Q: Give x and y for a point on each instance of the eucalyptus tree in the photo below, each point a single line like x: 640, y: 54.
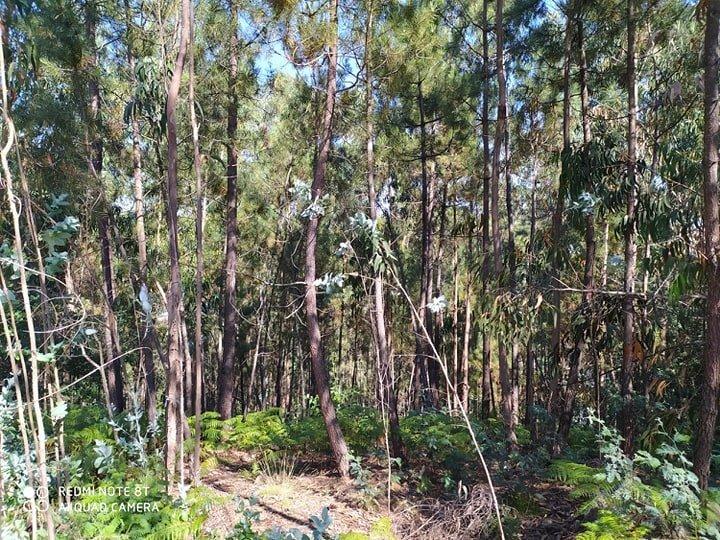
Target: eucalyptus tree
x: 627, y: 418
x: 711, y: 223
x: 386, y: 373
x: 173, y: 409
x: 33, y: 392
x: 142, y: 290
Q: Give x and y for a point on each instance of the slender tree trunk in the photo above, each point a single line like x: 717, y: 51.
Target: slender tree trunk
x: 500, y: 127
x: 530, y: 421
x: 386, y: 376
x: 627, y: 420
x: 146, y: 353
x: 47, y: 325
x: 41, y: 459
x: 15, y: 350
x: 114, y: 370
x: 95, y: 165
x: 226, y: 372
x: 173, y: 429
x: 423, y: 358
x: 711, y: 219
x: 584, y: 352
x: 199, y: 253
x: 486, y: 373
x: 558, y: 230
x: 512, y: 283
x: 256, y: 353
x: 317, y: 357
x: 438, y: 317
x: 463, y: 379
x: 456, y: 375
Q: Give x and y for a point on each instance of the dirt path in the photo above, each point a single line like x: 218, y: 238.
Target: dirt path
x: 285, y: 501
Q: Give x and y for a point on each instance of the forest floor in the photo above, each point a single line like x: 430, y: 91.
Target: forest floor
x: 284, y: 500
x: 551, y: 513
x: 541, y: 509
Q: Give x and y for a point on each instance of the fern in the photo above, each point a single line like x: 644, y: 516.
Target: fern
x: 587, y: 482
x: 609, y: 526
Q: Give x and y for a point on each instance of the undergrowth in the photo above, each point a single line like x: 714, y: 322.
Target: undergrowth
x: 654, y: 492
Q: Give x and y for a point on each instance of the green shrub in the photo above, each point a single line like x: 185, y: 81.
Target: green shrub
x: 83, y: 426
x: 262, y: 430
x: 655, y: 490
x: 609, y: 526
x: 257, y: 431
x: 308, y: 433
x: 362, y: 427
x: 146, y: 512
x: 586, y: 481
x: 437, y: 436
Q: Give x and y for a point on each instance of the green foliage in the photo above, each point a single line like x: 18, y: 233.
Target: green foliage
x: 243, y: 529
x: 609, y: 526
x: 437, y: 436
x: 586, y: 481
x: 653, y: 490
x: 361, y: 426
x: 257, y: 431
x: 145, y: 512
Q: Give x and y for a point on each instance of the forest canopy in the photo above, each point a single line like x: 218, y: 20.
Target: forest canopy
x: 355, y: 269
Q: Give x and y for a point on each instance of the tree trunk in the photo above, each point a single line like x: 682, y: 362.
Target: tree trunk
x: 319, y: 362
x: 95, y: 166
x: 512, y: 283
x: 173, y: 429
x: 9, y: 132
x: 486, y: 375
x: 226, y: 372
x: 114, y: 368
x: 423, y: 358
x: 146, y: 354
x: 557, y: 232
x: 463, y: 378
x: 199, y: 253
x: 584, y: 347
x: 627, y: 420
x: 500, y: 127
x: 530, y: 421
x: 711, y: 219
x: 386, y: 376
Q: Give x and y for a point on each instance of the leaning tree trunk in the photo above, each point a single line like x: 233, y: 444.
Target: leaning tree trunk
x: 317, y: 357
x: 627, y: 420
x: 711, y: 218
x: 34, y: 396
x: 386, y: 375
x: 173, y: 416
x: 226, y: 371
